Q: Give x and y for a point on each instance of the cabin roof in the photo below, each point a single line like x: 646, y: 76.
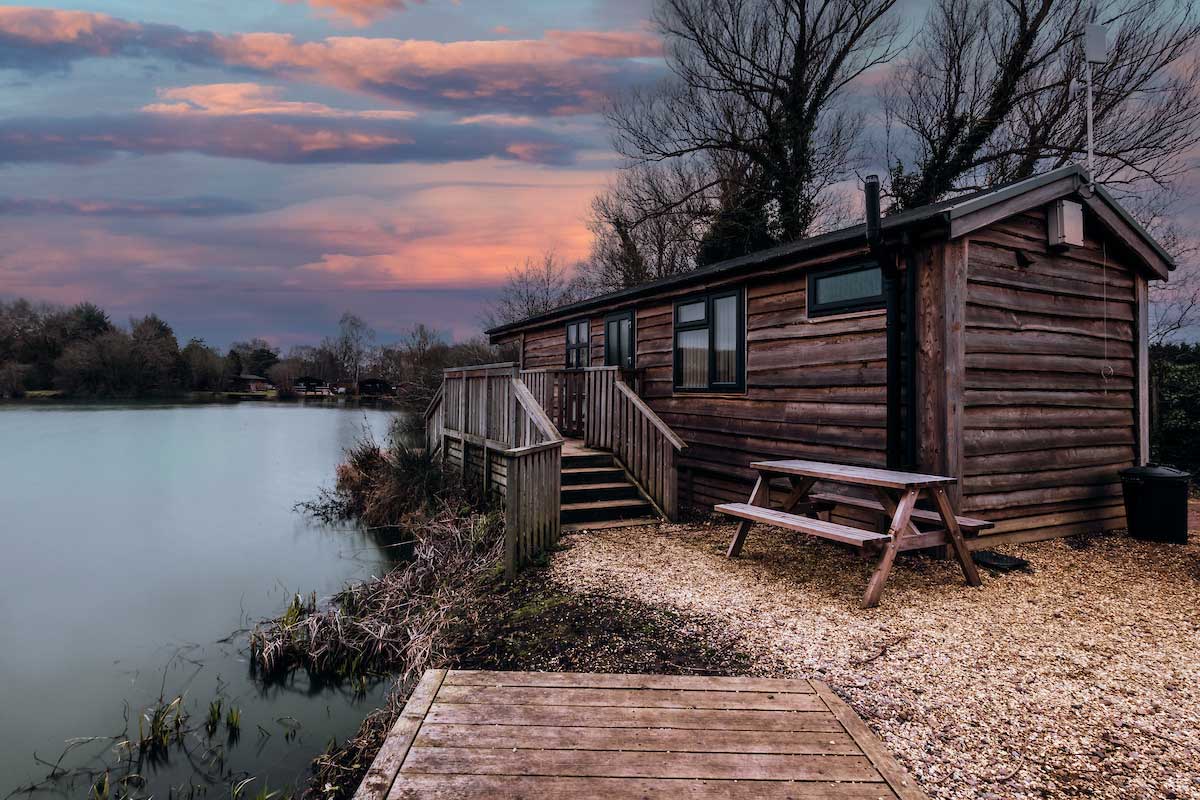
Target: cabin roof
x: 957, y: 216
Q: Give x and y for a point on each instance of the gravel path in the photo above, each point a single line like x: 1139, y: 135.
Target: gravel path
x: 1081, y: 679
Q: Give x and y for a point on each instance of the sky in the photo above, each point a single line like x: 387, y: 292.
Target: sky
x: 258, y: 167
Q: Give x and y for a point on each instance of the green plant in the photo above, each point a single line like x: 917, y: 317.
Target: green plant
x: 160, y: 725
x: 214, y: 717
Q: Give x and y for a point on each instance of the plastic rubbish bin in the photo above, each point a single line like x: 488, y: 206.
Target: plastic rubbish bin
x: 1156, y: 503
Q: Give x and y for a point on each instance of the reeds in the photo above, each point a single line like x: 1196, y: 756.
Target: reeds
x: 400, y: 623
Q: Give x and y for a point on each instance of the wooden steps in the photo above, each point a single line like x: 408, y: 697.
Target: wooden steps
x: 613, y: 490
x: 813, y: 527
x: 596, y: 492
x: 602, y: 510
x: 969, y: 525
x: 632, y: 522
x: 582, y: 475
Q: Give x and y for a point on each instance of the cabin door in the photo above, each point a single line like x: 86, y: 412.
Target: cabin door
x: 618, y: 340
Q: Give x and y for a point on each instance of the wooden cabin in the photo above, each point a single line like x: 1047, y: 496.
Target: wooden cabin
x: 248, y: 383
x: 998, y: 338
x: 374, y: 387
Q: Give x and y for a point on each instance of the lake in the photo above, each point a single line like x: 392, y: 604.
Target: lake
x: 137, y: 541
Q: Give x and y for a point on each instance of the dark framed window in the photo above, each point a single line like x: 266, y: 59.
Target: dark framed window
x: 577, y: 344
x: 619, y: 340
x: 839, y: 290
x: 710, y: 343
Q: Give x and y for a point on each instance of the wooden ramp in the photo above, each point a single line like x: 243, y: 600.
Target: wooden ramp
x: 555, y: 736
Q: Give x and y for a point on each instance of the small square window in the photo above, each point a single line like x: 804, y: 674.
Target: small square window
x: 844, y: 289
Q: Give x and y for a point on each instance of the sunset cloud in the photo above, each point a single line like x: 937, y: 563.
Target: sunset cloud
x: 564, y: 72
x: 261, y: 183
x: 270, y: 138
x: 359, y: 12
x: 171, y: 207
x: 234, y: 99
x: 432, y: 253
x: 38, y: 39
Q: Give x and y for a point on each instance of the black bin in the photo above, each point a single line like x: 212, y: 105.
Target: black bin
x: 1156, y: 503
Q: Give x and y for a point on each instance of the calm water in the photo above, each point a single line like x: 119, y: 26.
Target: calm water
x: 133, y: 541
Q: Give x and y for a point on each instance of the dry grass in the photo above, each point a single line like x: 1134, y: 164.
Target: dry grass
x: 400, y: 623
x: 1081, y: 679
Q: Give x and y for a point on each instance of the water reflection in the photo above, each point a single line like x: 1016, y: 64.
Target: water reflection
x: 137, y: 539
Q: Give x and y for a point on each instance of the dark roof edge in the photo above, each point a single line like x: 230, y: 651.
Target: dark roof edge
x: 755, y: 259
x: 940, y: 213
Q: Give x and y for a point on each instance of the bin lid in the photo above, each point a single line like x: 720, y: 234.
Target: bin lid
x: 1156, y: 472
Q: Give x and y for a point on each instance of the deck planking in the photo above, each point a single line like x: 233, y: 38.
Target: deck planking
x: 477, y: 734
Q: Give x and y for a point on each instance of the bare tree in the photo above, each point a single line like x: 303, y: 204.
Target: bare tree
x: 1174, y: 305
x: 990, y: 94
x: 354, y: 339
x: 640, y: 232
x: 757, y: 104
x: 535, y: 287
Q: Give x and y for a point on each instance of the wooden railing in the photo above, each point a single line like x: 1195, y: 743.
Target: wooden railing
x: 617, y: 419
x: 492, y: 426
x: 563, y: 394
x: 434, y: 421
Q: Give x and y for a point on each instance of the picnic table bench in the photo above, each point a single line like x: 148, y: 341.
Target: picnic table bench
x: 897, y: 494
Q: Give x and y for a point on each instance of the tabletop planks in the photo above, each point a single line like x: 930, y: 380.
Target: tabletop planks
x: 846, y: 473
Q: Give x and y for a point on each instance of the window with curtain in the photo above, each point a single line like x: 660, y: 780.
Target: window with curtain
x: 844, y: 289
x: 577, y: 345
x: 710, y: 343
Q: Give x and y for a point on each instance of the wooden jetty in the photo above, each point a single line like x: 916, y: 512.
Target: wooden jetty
x: 474, y: 735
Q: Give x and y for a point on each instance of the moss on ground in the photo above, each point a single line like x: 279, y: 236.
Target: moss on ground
x: 534, y: 624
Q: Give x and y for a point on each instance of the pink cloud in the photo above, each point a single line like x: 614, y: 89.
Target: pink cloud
x: 359, y: 12
x: 52, y: 26
x: 252, y: 98
x: 516, y: 120
x: 564, y: 72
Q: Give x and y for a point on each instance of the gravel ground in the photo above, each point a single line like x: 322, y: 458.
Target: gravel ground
x: 1080, y: 679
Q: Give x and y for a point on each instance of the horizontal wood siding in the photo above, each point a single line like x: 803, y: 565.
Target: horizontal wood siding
x: 546, y: 348
x: 1044, y: 432
x: 814, y: 389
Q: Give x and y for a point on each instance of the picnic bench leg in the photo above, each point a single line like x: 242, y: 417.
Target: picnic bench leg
x: 898, y: 527
x: 759, y: 496
x: 955, y: 535
x: 799, y: 493
x: 889, y: 505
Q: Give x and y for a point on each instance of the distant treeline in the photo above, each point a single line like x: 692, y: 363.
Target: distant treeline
x: 81, y: 352
x: 1175, y: 405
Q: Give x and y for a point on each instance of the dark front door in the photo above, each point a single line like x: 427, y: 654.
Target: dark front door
x: 618, y: 340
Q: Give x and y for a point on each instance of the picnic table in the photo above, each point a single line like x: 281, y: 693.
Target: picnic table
x: 897, y: 493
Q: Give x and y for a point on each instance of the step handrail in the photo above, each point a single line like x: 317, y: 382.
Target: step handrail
x: 537, y: 414
x: 649, y: 414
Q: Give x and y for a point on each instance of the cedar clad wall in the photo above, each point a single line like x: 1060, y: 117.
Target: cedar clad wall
x: 546, y: 348
x: 1044, y: 432
x: 813, y: 390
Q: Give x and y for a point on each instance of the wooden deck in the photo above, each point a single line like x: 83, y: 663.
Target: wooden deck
x: 567, y: 735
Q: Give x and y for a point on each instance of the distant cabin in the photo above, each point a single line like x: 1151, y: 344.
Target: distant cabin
x: 251, y: 383
x: 999, y: 338
x: 374, y: 387
x: 306, y: 384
